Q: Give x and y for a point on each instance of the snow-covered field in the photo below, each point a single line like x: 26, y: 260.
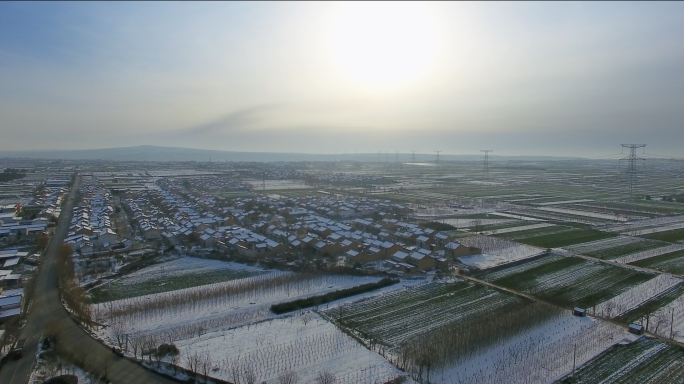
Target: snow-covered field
x: 650, y: 253
x: 564, y: 202
x: 669, y: 222
x: 304, y: 343
x: 174, y: 274
x: 542, y: 355
x: 496, y: 251
x: 184, y: 266
x: 230, y: 304
x: 636, y: 296
x: 648, y: 231
x: 669, y: 320
x: 602, y: 244
x: 577, y: 212
x: 469, y: 223
x: 517, y: 229
x: 514, y: 216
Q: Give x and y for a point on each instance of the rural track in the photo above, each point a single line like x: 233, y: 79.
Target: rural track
x: 47, y: 309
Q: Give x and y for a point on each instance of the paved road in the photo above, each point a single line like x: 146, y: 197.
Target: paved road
x: 47, y: 309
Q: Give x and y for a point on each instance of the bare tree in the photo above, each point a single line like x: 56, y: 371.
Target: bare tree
x: 118, y: 332
x: 326, y: 377
x: 249, y: 374
x: 136, y: 344
x: 289, y: 377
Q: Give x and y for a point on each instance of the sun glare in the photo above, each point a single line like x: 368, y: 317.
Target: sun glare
x: 384, y: 43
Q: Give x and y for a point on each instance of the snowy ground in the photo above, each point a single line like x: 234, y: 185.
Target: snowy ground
x: 183, y: 266
x: 48, y: 365
x: 577, y: 212
x: 468, y: 223
x: 177, y: 273
x: 517, y: 229
x: 514, y: 216
x: 636, y: 296
x: 649, y: 253
x: 541, y: 355
x: 496, y: 251
x: 602, y: 244
x: 233, y: 311
x: 304, y: 343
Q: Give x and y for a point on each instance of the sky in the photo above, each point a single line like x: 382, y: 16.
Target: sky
x: 567, y: 79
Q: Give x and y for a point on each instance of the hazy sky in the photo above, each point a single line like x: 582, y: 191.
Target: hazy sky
x: 519, y: 78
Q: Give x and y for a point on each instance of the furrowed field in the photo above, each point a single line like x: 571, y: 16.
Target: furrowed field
x: 430, y: 328
x: 567, y: 281
x: 644, y: 361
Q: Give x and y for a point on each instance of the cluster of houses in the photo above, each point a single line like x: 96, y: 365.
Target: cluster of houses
x: 10, y: 266
x: 11, y: 301
x: 14, y: 228
x: 91, y: 224
x: 339, y: 228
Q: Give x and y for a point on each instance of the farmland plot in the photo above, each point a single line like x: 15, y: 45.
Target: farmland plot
x: 571, y: 281
x: 636, y: 256
x: 305, y: 344
x: 558, y: 236
x: 635, y: 227
x: 518, y: 228
x: 184, y: 272
x: 187, y: 312
x: 668, y: 235
x: 542, y: 355
x: 657, y: 313
x: 496, y: 251
x: 614, y: 247
x: 636, y: 296
x: 670, y: 262
x: 446, y: 323
x: 643, y: 361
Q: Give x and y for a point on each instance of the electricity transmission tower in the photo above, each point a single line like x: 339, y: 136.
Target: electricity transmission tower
x: 485, y: 165
x: 438, y: 152
x: 632, y: 170
x: 413, y: 157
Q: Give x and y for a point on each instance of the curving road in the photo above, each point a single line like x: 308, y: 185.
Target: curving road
x: 47, y: 309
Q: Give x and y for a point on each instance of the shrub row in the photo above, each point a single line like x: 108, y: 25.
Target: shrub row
x: 330, y: 296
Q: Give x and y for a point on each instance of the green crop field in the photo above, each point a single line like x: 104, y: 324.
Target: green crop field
x: 621, y: 250
x: 643, y: 361
x: 568, y: 281
x: 676, y: 235
x: 553, y: 237
x: 653, y: 304
x: 669, y: 262
x: 188, y: 272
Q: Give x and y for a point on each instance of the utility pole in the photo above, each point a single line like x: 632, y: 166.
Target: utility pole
x: 632, y: 171
x: 485, y: 165
x: 438, y: 152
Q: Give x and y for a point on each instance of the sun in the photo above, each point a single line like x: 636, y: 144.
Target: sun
x: 383, y: 43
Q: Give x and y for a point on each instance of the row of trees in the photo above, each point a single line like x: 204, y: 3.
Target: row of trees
x: 75, y: 297
x: 462, y: 340
x: 221, y: 295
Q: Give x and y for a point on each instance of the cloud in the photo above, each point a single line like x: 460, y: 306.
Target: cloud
x: 234, y: 121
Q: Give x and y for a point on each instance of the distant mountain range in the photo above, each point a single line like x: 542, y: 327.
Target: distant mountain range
x: 155, y: 153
